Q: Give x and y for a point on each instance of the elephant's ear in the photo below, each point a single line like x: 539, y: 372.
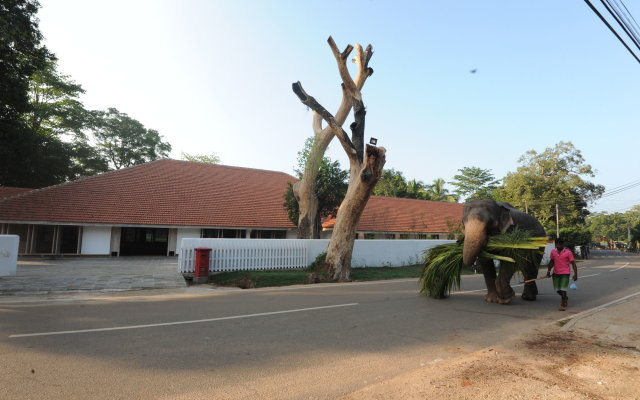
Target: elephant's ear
x: 505, y: 219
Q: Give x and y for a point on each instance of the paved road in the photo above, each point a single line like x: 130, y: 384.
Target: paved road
x: 289, y: 343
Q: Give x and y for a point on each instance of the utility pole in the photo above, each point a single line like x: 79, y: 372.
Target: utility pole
x: 526, y: 207
x: 557, y: 221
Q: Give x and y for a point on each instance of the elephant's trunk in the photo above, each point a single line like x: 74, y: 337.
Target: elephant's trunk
x: 475, y: 239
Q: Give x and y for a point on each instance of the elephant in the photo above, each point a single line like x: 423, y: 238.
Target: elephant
x: 484, y: 218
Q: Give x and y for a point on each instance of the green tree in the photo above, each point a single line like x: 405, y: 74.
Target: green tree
x: 57, y: 114
x: 124, y: 141
x: 21, y: 54
x: 23, y: 154
x: 391, y: 184
x: 201, y: 158
x: 55, y: 109
x: 473, y: 183
x: 330, y: 186
x: 617, y: 226
x: 612, y: 226
x: 417, y: 190
x: 553, y: 177
x: 438, y: 192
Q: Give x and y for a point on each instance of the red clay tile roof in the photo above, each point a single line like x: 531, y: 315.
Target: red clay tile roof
x: 164, y: 192
x: 392, y: 214
x: 7, y: 191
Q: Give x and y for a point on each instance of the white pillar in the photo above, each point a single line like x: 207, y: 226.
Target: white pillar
x: 9, y: 254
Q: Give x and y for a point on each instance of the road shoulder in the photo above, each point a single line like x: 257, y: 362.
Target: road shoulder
x: 593, y: 355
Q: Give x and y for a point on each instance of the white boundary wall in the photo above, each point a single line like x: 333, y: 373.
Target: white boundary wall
x: 267, y: 254
x: 8, y: 254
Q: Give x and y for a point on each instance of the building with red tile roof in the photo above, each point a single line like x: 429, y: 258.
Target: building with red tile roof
x: 149, y: 208
x: 399, y: 218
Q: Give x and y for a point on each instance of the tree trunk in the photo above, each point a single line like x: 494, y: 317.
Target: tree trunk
x: 308, y: 205
x: 304, y: 190
x: 338, y: 259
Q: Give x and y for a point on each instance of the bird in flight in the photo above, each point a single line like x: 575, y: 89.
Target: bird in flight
x: 473, y: 71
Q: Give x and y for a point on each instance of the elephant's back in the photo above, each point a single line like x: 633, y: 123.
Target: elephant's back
x: 527, y: 222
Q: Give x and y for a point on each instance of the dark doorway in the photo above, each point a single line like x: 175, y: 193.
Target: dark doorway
x: 68, y: 239
x: 144, y: 241
x: 44, y: 239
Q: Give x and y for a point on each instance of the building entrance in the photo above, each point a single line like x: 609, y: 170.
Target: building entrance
x: 144, y: 241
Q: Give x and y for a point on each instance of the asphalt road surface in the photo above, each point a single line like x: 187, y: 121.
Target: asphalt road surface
x: 304, y: 342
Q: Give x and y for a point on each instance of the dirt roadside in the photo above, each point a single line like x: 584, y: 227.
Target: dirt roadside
x: 596, y: 356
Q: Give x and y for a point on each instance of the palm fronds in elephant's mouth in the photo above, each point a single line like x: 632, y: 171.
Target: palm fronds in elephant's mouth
x: 443, y: 264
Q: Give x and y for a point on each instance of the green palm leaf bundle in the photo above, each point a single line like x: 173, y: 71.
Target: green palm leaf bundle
x: 443, y: 264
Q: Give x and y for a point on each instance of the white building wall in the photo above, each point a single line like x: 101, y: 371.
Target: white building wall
x: 185, y: 233
x: 116, y: 233
x: 96, y: 240
x: 172, y: 241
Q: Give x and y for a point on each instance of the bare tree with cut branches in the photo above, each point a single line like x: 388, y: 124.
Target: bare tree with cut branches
x: 304, y: 190
x: 365, y: 162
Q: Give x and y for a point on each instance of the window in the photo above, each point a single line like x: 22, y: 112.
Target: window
x: 224, y: 233
x: 268, y: 234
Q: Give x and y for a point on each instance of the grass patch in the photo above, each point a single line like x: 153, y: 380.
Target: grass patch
x: 258, y: 279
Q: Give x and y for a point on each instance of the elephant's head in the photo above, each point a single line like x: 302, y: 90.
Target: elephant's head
x: 481, y: 219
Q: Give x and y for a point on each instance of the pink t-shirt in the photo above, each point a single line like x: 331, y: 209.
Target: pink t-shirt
x: 562, y: 261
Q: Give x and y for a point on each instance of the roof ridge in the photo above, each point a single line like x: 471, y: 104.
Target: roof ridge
x: 410, y: 199
x: 230, y: 166
x: 26, y: 191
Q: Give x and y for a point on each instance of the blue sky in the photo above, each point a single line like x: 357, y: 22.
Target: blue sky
x: 215, y: 77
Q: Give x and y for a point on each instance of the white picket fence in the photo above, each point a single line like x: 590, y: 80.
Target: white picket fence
x: 268, y: 254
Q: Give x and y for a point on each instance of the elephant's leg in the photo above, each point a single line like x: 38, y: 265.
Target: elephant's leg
x: 530, y: 290
x: 504, y: 289
x: 489, y: 272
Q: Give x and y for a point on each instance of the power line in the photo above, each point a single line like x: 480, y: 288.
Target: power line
x: 631, y: 16
x: 611, y: 29
x: 621, y: 189
x: 615, y: 13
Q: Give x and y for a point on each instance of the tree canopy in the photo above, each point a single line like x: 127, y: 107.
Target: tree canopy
x: 393, y: 184
x: 615, y: 226
x: 201, y: 158
x: 436, y: 191
x: 124, y: 141
x: 21, y: 54
x: 473, y: 183
x: 555, y: 176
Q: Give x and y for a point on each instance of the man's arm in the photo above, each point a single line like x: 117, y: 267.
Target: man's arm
x: 575, y: 270
x: 549, y: 267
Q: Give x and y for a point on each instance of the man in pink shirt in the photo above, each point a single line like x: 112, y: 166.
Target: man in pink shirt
x: 561, y: 260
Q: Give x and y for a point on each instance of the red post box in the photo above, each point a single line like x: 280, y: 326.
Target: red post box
x: 201, y: 270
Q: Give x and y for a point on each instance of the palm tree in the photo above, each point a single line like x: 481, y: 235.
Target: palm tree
x: 438, y: 192
x: 417, y: 190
